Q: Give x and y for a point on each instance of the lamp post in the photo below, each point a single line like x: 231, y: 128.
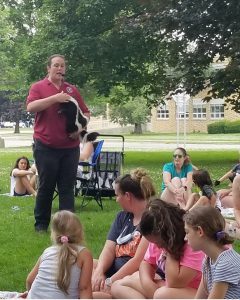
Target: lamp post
x: 181, y: 97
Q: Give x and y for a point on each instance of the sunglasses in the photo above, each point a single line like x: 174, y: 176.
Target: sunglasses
x: 177, y: 155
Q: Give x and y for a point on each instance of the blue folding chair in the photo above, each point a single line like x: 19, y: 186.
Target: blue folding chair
x: 88, y: 183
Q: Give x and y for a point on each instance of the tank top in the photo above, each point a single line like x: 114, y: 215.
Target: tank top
x: 45, y: 285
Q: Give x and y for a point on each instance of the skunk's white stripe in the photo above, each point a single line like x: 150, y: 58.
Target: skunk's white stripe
x: 79, y: 126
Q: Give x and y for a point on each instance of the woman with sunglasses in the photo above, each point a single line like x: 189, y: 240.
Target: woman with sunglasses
x: 124, y: 248
x: 177, y: 178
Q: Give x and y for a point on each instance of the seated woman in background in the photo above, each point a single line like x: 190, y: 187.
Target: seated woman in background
x: 86, y: 145
x: 22, y: 178
x: 124, y: 248
x: 229, y: 175
x: 86, y: 148
x: 177, y: 178
x: 170, y: 269
x: 236, y: 199
x: 225, y: 195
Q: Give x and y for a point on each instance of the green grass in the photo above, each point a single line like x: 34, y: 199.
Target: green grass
x: 21, y: 246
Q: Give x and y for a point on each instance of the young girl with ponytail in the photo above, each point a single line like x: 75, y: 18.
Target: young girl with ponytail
x: 204, y: 226
x: 64, y: 270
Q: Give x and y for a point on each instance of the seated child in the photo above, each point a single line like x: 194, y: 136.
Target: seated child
x: 22, y: 178
x: 64, y: 269
x: 208, y: 196
x: 204, y: 228
x: 229, y: 175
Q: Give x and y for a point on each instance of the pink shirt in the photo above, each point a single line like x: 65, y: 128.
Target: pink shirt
x: 50, y: 125
x: 190, y: 259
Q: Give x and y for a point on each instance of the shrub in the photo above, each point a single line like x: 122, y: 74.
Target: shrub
x: 216, y: 127
x: 224, y: 127
x: 232, y: 127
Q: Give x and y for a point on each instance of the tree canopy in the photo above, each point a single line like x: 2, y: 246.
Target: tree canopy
x: 148, y: 46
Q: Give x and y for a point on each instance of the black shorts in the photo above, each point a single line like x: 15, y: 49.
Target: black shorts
x: 25, y: 194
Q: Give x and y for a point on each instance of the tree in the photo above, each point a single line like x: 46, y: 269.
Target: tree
x: 126, y: 109
x: 13, y: 80
x: 105, y: 42
x: 148, y: 46
x: 198, y: 33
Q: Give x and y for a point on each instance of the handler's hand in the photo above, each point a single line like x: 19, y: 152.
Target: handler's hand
x: 63, y: 97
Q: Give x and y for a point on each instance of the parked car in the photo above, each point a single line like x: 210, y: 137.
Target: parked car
x: 8, y: 124
x: 22, y: 124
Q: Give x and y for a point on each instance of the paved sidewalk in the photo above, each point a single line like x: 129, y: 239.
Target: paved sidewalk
x: 25, y: 140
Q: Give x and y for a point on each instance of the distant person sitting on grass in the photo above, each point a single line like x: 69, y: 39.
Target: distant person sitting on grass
x: 23, y: 178
x: 202, y: 180
x: 229, y: 175
x: 177, y: 178
x: 236, y: 199
x: 225, y: 195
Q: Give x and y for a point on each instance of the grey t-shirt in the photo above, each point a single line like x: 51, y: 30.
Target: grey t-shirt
x: 225, y: 269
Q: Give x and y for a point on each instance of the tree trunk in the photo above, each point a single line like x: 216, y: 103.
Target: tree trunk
x: 138, y: 128
x: 17, y: 129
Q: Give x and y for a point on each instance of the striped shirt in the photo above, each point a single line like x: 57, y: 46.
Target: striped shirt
x: 225, y: 269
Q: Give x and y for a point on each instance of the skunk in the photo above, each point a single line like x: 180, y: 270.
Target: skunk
x: 75, y: 119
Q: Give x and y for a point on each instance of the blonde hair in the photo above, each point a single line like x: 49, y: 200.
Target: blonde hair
x: 66, y: 224
x: 138, y: 183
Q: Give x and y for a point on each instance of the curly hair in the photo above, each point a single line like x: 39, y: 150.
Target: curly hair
x: 138, y: 183
x: 165, y: 221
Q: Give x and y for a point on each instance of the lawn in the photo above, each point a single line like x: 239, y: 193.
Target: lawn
x: 21, y: 246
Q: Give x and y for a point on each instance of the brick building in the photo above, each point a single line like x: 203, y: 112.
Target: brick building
x: 198, y: 115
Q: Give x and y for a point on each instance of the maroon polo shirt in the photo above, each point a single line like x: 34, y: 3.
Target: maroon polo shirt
x: 50, y: 125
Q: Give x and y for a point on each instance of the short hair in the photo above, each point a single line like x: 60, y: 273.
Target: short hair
x: 50, y: 58
x: 89, y: 136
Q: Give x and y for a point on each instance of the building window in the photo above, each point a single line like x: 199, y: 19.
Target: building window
x: 217, y: 111
x: 162, y: 112
x: 199, y: 111
x: 181, y: 113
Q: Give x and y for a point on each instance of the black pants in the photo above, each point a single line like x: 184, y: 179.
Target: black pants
x: 56, y: 167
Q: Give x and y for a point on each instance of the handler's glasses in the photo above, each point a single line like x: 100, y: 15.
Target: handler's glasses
x: 177, y: 155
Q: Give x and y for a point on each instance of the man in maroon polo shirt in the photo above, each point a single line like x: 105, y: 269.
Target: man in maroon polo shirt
x: 56, y: 152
